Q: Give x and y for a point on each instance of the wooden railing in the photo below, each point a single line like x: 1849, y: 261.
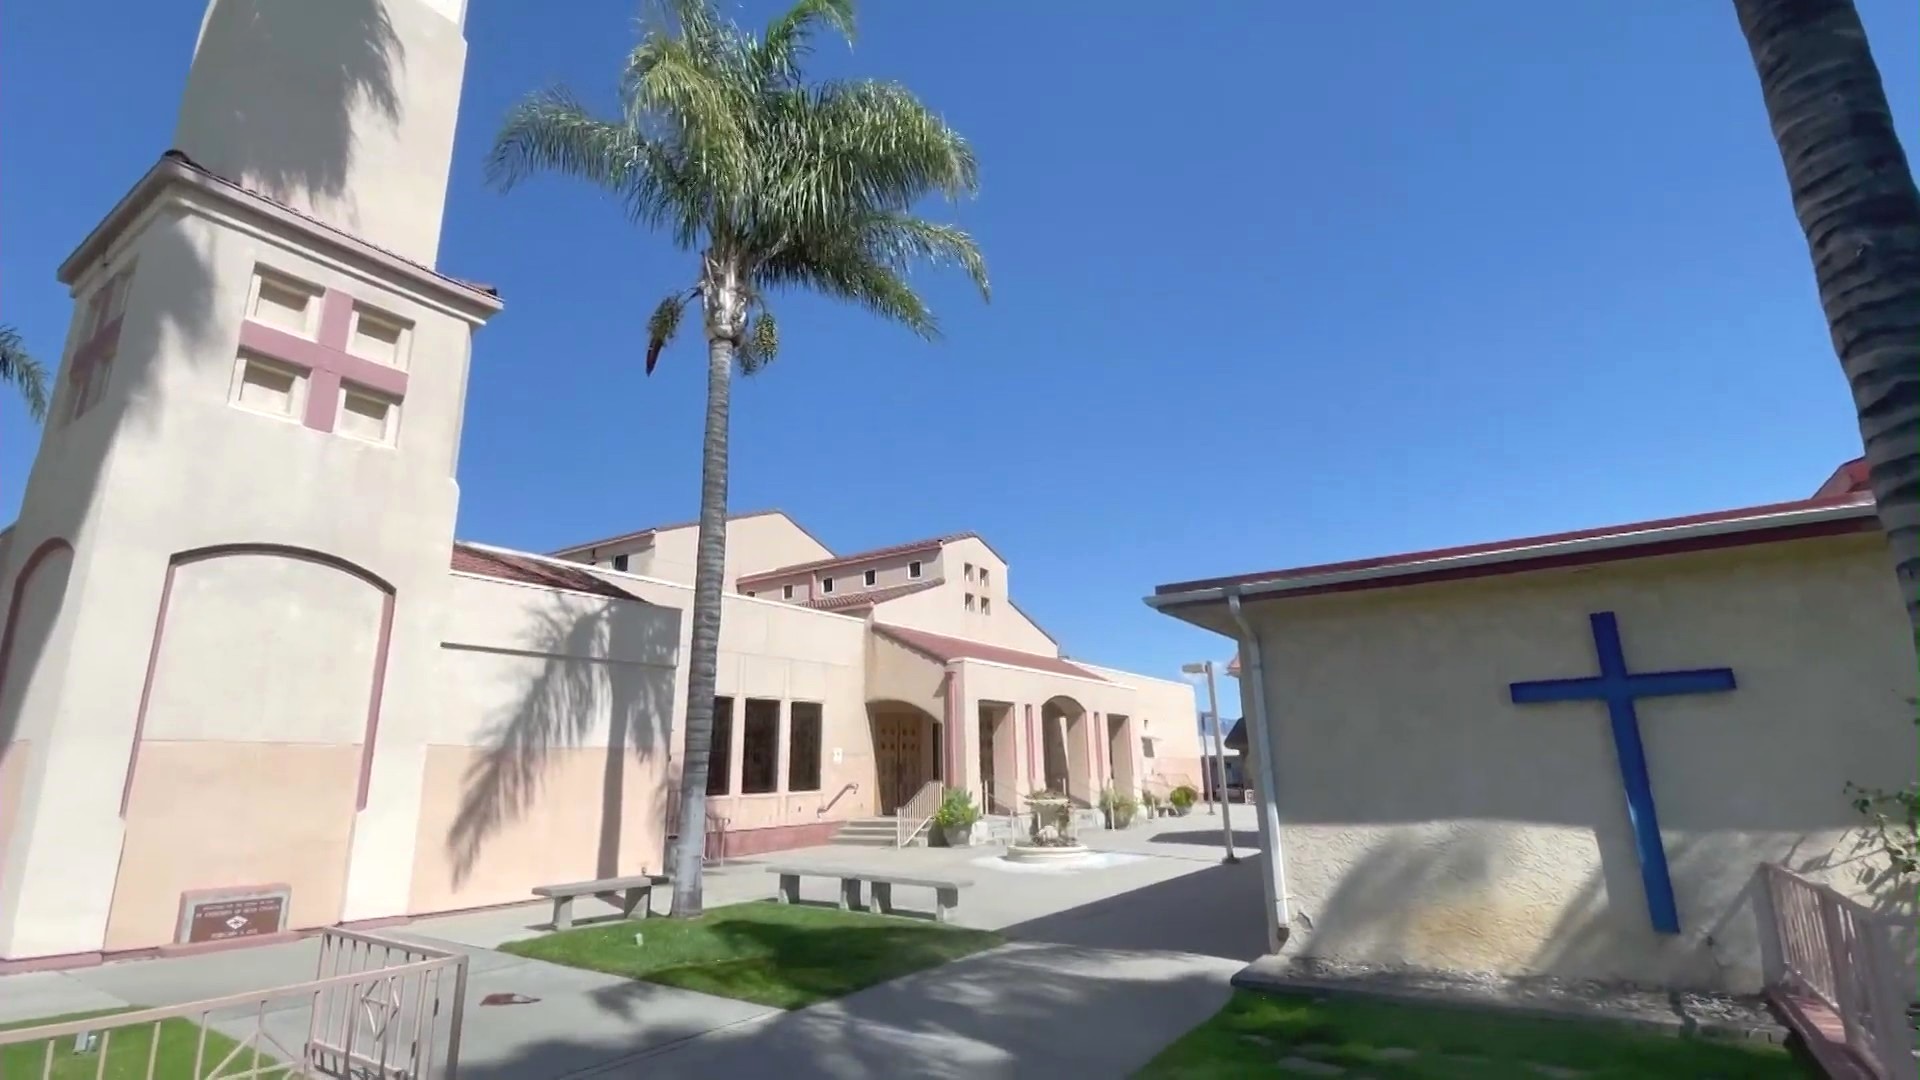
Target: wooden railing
x: 914, y: 814
x: 376, y: 1009
x: 1852, y: 960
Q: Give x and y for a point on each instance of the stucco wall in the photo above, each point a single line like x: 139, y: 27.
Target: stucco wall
x: 755, y: 544
x: 1167, y: 710
x: 1429, y: 821
x: 548, y: 759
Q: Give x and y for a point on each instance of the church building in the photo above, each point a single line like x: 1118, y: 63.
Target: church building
x: 1570, y: 755
x: 250, y: 682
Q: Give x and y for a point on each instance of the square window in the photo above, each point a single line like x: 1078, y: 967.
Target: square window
x: 378, y: 336
x: 870, y: 577
x: 986, y: 606
x: 264, y: 386
x: 969, y: 601
x: 826, y: 584
x: 913, y: 570
x: 786, y: 592
x: 282, y: 302
x: 751, y: 594
x: 720, y: 749
x: 620, y: 563
x: 367, y: 414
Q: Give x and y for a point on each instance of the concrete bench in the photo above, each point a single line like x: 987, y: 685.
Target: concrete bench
x: 946, y: 891
x: 630, y: 894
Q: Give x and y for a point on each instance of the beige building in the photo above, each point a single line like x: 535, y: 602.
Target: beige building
x: 1446, y: 742
x: 249, y: 681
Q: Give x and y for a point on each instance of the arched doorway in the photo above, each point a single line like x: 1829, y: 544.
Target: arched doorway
x: 1067, y: 770
x: 906, y: 752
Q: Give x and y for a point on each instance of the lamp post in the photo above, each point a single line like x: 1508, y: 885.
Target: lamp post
x: 1205, y: 667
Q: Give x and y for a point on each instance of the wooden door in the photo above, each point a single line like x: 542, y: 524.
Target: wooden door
x: 899, y: 750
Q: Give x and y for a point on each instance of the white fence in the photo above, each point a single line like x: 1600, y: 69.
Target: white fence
x: 1856, y: 962
x: 376, y: 1009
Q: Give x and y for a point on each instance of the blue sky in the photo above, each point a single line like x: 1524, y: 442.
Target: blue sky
x: 1274, y: 284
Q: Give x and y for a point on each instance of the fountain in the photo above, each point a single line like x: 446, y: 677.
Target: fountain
x: 1051, y: 833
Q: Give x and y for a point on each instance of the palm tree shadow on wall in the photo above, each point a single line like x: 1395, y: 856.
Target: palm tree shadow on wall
x: 172, y: 306
x: 292, y: 135
x: 564, y: 706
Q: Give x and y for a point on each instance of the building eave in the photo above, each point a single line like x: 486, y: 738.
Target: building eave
x: 1774, y: 523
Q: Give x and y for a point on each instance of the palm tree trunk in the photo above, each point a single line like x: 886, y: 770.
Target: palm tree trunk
x: 1855, y: 198
x: 709, y: 575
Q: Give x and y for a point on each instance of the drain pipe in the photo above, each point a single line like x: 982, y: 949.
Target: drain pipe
x: 1260, y: 745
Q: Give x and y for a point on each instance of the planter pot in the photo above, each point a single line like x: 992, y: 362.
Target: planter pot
x: 957, y: 835
x: 1182, y: 811
x: 1119, y: 819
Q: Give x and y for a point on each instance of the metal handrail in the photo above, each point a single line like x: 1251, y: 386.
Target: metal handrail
x: 1844, y: 954
x: 915, y: 813
x: 403, y: 1004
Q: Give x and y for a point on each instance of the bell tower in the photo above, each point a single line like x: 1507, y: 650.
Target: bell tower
x: 222, y: 590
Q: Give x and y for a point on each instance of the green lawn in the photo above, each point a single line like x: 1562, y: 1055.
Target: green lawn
x: 1255, y: 1033
x: 786, y: 956
x: 126, y: 1052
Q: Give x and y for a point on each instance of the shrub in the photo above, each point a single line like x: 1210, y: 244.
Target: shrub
x: 1183, y: 797
x: 1113, y: 799
x: 956, y: 810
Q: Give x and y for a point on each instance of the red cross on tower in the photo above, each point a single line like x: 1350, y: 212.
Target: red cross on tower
x: 327, y: 361
x: 93, y: 358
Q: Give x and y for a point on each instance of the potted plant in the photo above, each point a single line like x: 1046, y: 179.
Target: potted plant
x: 1150, y: 803
x: 1182, y: 799
x: 1118, y: 806
x: 956, y: 816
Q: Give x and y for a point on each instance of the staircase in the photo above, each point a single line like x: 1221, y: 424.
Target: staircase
x: 867, y: 832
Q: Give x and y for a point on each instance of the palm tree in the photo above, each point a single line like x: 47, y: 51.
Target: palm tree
x: 776, y: 184
x: 1855, y: 198
x: 17, y: 366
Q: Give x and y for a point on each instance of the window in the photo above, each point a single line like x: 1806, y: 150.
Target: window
x: 720, y: 753
x: 983, y: 577
x: 620, y: 563
x: 826, y: 584
x: 760, y: 764
x: 969, y: 601
x: 786, y: 592
x: 367, y: 414
x: 803, y: 762
x: 913, y: 570
x: 986, y: 606
x: 264, y: 386
x: 751, y: 594
x: 968, y: 572
x: 869, y: 577
x: 1146, y: 746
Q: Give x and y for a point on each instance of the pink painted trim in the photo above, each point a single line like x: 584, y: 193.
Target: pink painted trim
x: 327, y: 360
x: 46, y: 548
x: 1099, y: 727
x: 57, y: 962
x: 381, y: 648
x: 280, y: 937
x: 1033, y: 767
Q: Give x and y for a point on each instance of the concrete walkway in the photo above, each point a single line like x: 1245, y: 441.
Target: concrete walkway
x: 1105, y: 966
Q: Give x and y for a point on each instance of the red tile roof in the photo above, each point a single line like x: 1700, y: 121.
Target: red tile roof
x: 861, y: 556
x: 641, y: 534
x: 1657, y: 539
x: 867, y: 597
x: 509, y: 566
x: 1848, y: 479
x: 944, y: 649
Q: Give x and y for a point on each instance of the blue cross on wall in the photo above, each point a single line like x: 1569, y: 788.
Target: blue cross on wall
x: 1619, y: 689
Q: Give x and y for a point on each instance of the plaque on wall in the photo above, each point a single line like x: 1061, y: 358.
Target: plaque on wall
x: 208, y: 915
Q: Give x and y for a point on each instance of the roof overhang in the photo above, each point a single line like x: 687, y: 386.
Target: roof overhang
x: 1738, y: 528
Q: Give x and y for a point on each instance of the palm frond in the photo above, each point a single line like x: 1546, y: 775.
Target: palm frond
x: 788, y: 38
x: 17, y: 366
x: 900, y: 240
x: 849, y: 272
x: 662, y: 325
